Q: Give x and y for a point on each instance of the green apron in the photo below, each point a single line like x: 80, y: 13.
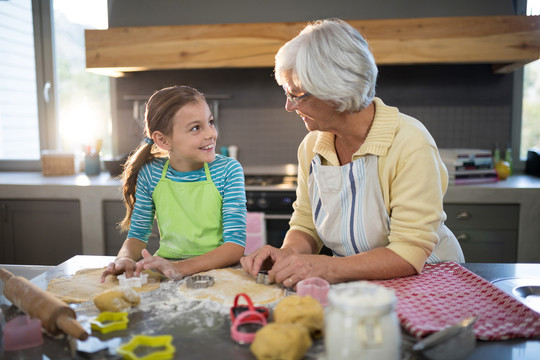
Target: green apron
x: 189, y: 216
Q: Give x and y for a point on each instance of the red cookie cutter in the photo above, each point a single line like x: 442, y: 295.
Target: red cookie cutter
x: 246, y: 325
x: 236, y: 310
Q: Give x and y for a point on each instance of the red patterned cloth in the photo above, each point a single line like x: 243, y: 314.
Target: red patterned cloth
x: 446, y: 293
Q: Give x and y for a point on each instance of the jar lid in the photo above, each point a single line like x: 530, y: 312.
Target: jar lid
x: 362, y: 297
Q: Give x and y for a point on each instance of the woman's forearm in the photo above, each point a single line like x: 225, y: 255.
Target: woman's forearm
x: 299, y: 242
x: 376, y: 264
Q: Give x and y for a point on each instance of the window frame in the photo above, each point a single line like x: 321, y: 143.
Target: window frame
x: 45, y: 86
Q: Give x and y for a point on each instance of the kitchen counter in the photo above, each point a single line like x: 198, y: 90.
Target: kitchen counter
x: 92, y: 191
x: 201, y: 331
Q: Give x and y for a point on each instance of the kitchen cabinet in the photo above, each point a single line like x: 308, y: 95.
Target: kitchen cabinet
x: 113, y: 213
x: 507, y: 42
x: 39, y: 232
x: 487, y: 233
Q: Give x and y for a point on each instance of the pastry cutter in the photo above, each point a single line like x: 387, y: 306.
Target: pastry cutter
x: 236, y: 310
x: 245, y: 326
x: 316, y: 287
x: 199, y: 281
x: 135, y: 281
x: 145, y: 347
x: 109, y: 321
x: 263, y: 278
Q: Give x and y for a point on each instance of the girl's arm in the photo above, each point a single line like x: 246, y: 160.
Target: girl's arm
x: 225, y: 255
x: 127, y: 258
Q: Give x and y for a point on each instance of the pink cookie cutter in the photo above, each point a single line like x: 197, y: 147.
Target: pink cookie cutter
x: 21, y: 333
x: 315, y: 287
x: 246, y: 325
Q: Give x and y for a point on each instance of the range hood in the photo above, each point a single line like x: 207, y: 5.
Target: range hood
x: 507, y: 42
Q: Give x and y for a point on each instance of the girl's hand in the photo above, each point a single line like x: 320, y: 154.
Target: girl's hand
x: 120, y: 265
x: 159, y: 264
x: 262, y: 259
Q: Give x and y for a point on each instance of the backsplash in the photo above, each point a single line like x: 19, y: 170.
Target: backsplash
x: 461, y: 105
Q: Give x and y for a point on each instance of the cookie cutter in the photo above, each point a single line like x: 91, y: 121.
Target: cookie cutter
x: 236, y: 310
x: 163, y: 344
x: 315, y: 287
x: 246, y: 325
x: 135, y: 281
x: 199, y: 281
x: 263, y: 278
x: 109, y: 321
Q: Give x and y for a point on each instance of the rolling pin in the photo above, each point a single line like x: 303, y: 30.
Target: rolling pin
x: 56, y: 316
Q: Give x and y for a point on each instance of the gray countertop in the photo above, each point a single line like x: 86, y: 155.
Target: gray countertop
x: 202, y: 332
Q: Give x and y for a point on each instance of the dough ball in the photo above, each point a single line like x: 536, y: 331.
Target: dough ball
x: 303, y: 310
x: 281, y: 342
x: 117, y: 300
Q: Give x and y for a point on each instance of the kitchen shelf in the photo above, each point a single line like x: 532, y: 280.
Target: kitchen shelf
x: 507, y: 42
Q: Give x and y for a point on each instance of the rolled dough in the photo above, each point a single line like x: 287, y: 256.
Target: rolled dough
x: 229, y: 282
x: 86, y: 283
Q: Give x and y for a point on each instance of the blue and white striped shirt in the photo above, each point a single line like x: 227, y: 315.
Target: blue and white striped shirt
x: 228, y: 176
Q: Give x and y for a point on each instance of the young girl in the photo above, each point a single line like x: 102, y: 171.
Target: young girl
x: 198, y: 197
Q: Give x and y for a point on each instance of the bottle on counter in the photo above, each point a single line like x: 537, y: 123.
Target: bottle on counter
x: 508, y: 157
x: 496, y: 154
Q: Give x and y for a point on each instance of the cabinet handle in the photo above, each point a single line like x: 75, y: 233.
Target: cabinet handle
x: 463, y: 215
x: 4, y: 214
x: 463, y: 237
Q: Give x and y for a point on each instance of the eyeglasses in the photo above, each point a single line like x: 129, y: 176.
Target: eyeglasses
x: 295, y: 99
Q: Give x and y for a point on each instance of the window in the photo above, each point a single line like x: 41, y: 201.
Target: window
x: 47, y: 98
x: 530, y: 127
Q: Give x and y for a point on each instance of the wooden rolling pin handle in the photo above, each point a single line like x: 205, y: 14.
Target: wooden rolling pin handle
x: 70, y: 326
x: 40, y: 304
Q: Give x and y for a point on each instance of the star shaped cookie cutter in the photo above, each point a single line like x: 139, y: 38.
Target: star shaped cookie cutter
x: 161, y: 342
x: 199, y: 281
x: 109, y: 321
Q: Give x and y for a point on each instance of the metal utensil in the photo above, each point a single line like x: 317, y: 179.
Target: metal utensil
x: 454, y: 342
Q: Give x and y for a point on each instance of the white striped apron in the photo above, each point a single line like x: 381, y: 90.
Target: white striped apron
x: 349, y: 212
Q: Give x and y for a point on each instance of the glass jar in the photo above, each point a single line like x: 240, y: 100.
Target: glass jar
x: 361, y: 323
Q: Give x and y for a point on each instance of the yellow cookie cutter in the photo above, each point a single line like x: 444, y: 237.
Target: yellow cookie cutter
x: 109, y: 321
x: 162, y: 341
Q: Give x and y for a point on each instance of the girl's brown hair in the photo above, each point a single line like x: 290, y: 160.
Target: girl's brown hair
x: 159, y: 114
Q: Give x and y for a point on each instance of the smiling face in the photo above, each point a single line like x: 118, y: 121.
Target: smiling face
x: 317, y: 114
x: 193, y: 138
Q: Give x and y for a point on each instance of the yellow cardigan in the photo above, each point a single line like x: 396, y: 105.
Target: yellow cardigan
x: 413, y: 180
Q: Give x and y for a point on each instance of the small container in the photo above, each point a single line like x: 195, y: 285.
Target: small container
x: 22, y: 332
x: 315, y: 287
x: 361, y: 323
x: 92, y: 164
x: 55, y: 163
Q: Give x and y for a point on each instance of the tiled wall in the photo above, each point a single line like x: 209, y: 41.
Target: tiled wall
x: 461, y: 105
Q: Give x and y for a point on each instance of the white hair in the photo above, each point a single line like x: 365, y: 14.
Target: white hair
x: 332, y: 61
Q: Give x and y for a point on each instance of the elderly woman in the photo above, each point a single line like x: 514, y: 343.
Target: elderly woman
x: 370, y: 179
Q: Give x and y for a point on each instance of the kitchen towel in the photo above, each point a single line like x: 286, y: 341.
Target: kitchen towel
x: 255, y: 231
x: 446, y: 293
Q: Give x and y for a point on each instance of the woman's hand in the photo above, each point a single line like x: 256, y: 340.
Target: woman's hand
x: 121, y: 264
x: 159, y: 264
x: 296, y: 267
x: 262, y: 259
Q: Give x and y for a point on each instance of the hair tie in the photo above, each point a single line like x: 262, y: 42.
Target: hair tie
x: 148, y: 141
